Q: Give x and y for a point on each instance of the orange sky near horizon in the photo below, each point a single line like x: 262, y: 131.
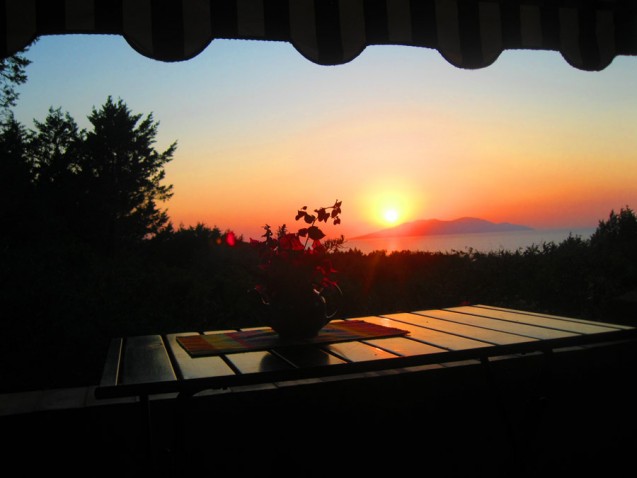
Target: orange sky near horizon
x: 261, y: 131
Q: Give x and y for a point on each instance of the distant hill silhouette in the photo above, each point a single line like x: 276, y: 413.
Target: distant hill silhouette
x: 427, y: 227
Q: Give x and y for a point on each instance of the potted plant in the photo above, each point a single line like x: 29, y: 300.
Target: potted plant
x: 296, y: 280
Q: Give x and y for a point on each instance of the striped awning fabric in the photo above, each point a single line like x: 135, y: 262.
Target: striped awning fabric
x: 468, y: 33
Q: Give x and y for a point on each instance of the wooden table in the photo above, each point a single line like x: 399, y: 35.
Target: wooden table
x: 155, y: 364
x: 148, y: 365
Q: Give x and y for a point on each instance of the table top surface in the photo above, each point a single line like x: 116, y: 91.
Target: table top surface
x: 156, y: 364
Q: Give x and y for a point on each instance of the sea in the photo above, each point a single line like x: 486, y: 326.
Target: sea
x: 480, y: 241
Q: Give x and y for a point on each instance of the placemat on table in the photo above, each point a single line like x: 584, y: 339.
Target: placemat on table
x: 250, y: 340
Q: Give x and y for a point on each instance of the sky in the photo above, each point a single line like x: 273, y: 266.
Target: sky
x: 398, y: 134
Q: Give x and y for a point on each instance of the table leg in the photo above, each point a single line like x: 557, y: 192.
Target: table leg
x: 146, y: 425
x: 181, y: 416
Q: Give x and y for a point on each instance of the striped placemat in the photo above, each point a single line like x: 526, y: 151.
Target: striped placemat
x: 249, y: 340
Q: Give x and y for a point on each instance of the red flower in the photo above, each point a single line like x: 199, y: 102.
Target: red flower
x: 291, y: 266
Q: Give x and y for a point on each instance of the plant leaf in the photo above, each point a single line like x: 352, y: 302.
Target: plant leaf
x: 315, y: 233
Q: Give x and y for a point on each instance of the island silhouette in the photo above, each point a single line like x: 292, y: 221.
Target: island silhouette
x: 427, y: 227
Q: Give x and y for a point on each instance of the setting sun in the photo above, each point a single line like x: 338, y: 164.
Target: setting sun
x: 391, y: 216
x: 391, y: 202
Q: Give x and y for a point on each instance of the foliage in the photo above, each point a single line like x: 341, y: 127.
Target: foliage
x: 101, y: 185
x: 296, y: 264
x: 66, y: 299
x: 12, y: 74
x: 614, y: 255
x: 618, y: 234
x: 16, y: 189
x: 125, y: 173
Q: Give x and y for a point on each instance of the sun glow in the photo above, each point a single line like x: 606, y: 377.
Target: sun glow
x: 391, y: 210
x: 391, y: 216
x: 389, y: 203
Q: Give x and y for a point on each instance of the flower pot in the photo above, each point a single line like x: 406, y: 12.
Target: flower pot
x: 301, y: 315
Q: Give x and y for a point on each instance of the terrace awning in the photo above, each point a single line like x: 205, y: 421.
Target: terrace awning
x: 468, y: 33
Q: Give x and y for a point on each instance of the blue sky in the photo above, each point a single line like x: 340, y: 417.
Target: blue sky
x: 262, y: 131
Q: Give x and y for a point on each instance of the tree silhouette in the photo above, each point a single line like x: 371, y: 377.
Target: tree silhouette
x: 53, y: 153
x: 121, y: 174
x: 16, y: 187
x: 102, y: 185
x: 614, y: 254
x: 12, y: 74
x: 53, y: 146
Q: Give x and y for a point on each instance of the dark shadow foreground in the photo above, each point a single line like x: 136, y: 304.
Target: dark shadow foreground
x: 567, y: 413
